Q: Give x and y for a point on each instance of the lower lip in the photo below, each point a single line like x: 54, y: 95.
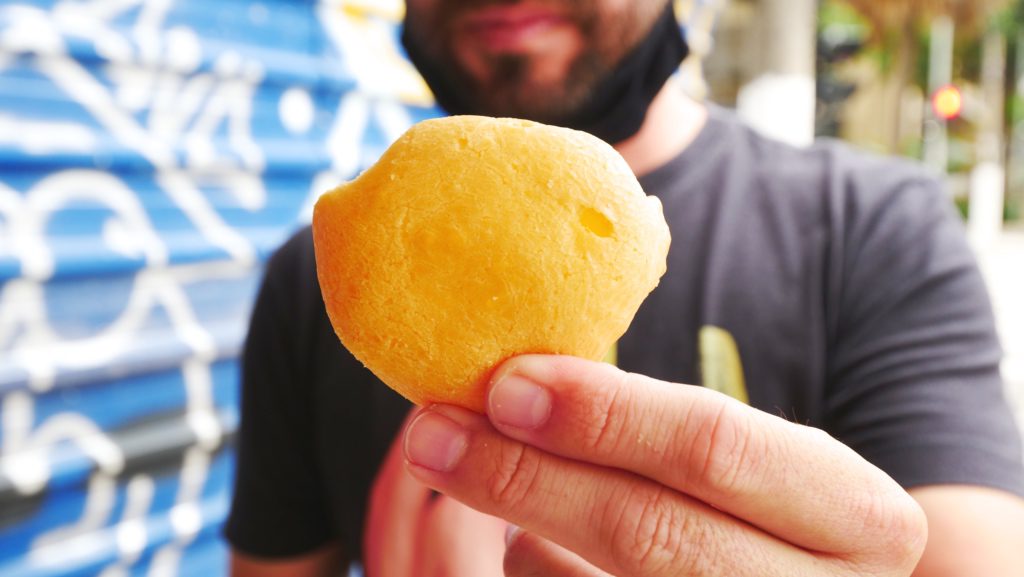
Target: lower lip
x: 512, y: 35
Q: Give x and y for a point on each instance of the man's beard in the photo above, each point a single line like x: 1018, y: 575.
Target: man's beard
x: 510, y: 92
x: 508, y: 88
x: 605, y: 90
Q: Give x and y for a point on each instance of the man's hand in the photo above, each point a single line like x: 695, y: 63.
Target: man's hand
x: 615, y: 473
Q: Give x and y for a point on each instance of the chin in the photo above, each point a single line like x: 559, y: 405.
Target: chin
x: 543, y: 60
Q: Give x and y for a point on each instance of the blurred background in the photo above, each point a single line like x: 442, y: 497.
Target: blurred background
x: 153, y: 153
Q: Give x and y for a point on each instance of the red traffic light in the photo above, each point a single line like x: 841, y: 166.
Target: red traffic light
x: 947, y: 102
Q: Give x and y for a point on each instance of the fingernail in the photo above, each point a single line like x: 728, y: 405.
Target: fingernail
x: 435, y: 442
x: 511, y: 532
x: 519, y: 402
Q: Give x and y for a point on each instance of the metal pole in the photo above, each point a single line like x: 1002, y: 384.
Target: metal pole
x: 988, y: 177
x: 940, y: 73
x: 779, y: 100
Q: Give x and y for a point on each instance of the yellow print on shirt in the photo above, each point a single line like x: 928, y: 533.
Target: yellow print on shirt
x: 720, y: 366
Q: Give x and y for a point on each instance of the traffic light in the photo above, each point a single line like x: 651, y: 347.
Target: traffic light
x: 947, y: 102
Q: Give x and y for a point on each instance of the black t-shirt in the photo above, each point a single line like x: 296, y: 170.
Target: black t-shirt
x: 825, y: 285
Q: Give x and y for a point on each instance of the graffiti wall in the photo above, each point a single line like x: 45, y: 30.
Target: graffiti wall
x: 153, y: 153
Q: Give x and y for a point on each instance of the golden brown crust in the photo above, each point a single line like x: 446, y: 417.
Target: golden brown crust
x: 474, y: 239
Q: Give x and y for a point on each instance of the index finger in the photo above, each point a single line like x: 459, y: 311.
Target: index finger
x: 792, y: 481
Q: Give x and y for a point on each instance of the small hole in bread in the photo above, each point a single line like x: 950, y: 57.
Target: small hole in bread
x: 596, y: 222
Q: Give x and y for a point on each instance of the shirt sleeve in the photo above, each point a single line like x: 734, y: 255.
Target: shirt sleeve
x: 913, y: 364
x: 279, y: 507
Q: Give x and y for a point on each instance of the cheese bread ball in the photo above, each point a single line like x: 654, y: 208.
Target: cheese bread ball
x: 474, y: 239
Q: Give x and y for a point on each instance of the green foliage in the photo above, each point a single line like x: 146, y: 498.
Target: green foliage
x: 962, y: 206
x: 839, y: 13
x: 1012, y: 210
x: 1007, y: 20
x: 1015, y: 109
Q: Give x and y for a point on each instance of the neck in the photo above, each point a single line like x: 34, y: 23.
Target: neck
x: 673, y: 120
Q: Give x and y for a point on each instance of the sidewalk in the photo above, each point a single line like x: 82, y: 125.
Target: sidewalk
x: 1003, y: 266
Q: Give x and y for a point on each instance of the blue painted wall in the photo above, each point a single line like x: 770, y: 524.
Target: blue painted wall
x: 153, y: 153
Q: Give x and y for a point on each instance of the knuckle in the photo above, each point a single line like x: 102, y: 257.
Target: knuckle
x: 912, y: 531
x: 514, y: 474
x: 896, y: 530
x: 903, y: 529
x: 654, y: 536
x: 604, y: 420
x: 731, y: 455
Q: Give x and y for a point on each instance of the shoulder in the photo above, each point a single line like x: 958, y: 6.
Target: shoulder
x: 289, y: 295
x: 830, y: 173
x: 295, y: 254
x: 870, y: 194
x: 291, y: 269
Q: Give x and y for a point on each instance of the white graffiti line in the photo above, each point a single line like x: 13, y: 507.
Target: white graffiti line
x: 18, y: 240
x: 22, y: 306
x: 95, y: 11
x: 42, y: 352
x: 200, y: 413
x: 31, y: 31
x: 202, y: 271
x: 52, y: 193
x: 393, y: 118
x: 183, y: 190
x: 146, y: 31
x: 296, y: 110
x: 85, y: 433
x: 76, y: 81
x: 90, y: 22
x: 230, y: 100
x: 115, y: 570
x: 367, y: 43
x: 165, y: 562
x: 26, y: 451
x: 247, y: 188
x: 131, y: 534
x: 17, y: 411
x: 183, y: 318
x: 40, y: 137
x: 184, y: 53
x: 176, y: 102
x: 23, y: 300
x: 64, y: 546
x: 345, y: 141
x: 185, y: 516
x: 345, y: 138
